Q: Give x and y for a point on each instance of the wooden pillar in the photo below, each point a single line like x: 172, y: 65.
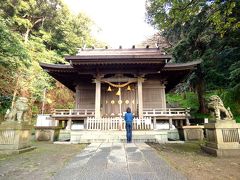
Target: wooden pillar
x: 140, y: 97
x: 77, y: 97
x: 163, y: 96
x: 98, y: 98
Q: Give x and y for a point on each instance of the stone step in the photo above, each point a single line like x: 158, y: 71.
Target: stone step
x: 118, y: 136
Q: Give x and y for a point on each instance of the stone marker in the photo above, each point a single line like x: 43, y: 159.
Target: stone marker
x: 15, y: 131
x: 223, y: 134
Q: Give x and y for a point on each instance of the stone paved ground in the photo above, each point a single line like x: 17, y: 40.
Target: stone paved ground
x: 102, y: 161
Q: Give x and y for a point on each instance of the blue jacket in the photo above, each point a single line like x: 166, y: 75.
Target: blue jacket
x: 128, y: 117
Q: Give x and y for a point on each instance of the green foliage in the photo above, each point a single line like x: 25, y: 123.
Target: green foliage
x: 237, y: 119
x: 33, y: 31
x: 5, y: 103
x: 224, y: 16
x: 189, y: 100
x: 183, y: 100
x: 12, y: 51
x: 205, y: 30
x: 229, y: 99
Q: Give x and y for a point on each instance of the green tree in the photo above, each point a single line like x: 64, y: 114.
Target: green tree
x: 30, y: 15
x: 206, y: 30
x: 33, y: 31
x: 12, y: 56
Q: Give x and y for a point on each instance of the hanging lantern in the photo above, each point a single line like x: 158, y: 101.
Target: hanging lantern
x: 109, y: 89
x: 119, y: 92
x: 128, y: 88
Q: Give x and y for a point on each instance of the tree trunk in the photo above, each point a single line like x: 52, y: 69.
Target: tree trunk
x: 26, y: 35
x: 200, y: 90
x: 15, y: 91
x: 201, y: 100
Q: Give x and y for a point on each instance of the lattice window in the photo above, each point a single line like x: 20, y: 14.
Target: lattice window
x: 230, y: 135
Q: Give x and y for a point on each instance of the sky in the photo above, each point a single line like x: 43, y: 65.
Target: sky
x: 117, y: 22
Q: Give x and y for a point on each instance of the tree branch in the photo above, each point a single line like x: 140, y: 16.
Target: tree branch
x: 186, y: 6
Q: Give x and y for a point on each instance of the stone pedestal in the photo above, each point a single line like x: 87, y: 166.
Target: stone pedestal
x: 191, y: 133
x: 15, y: 137
x: 47, y: 133
x: 223, y: 138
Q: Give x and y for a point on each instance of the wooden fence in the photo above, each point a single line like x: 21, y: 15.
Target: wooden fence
x: 117, y: 123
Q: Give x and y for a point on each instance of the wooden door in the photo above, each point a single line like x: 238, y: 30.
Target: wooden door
x: 111, y: 102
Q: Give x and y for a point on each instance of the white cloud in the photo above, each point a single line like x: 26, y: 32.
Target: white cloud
x: 121, y: 21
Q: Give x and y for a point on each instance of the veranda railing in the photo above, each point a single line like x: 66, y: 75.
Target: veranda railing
x: 166, y: 112
x: 74, y: 112
x: 147, y: 112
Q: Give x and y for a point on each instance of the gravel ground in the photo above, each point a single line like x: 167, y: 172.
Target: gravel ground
x: 41, y: 163
x: 196, y: 165
x: 47, y: 159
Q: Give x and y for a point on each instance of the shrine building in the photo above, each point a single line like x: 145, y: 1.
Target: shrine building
x: 107, y: 81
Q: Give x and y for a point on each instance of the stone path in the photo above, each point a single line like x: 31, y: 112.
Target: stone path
x: 102, y: 161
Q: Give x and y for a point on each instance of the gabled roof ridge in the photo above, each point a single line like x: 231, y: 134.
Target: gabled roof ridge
x: 117, y: 49
x: 42, y: 64
x: 169, y: 64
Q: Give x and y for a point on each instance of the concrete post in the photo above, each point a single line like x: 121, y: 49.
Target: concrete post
x: 69, y: 124
x: 140, y: 97
x: 98, y: 98
x: 154, y: 123
x: 181, y: 123
x: 170, y: 123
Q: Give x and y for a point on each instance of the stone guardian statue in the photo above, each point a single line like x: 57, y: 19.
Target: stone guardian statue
x: 18, y: 112
x: 217, y: 109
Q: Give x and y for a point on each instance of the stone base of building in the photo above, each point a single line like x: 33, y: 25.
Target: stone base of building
x: 118, y: 136
x: 47, y: 133
x: 173, y: 135
x: 191, y: 133
x: 221, y: 152
x: 15, y: 137
x: 64, y: 135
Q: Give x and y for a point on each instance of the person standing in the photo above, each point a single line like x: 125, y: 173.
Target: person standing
x: 128, y: 118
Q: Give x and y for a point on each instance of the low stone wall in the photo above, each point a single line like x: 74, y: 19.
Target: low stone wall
x: 47, y: 133
x: 191, y: 133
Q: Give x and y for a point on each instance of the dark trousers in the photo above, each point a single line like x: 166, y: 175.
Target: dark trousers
x: 129, y: 131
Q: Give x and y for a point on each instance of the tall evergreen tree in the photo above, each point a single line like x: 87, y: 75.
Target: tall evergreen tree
x: 206, y: 30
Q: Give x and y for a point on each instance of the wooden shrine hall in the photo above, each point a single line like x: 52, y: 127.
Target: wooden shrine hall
x: 107, y: 81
